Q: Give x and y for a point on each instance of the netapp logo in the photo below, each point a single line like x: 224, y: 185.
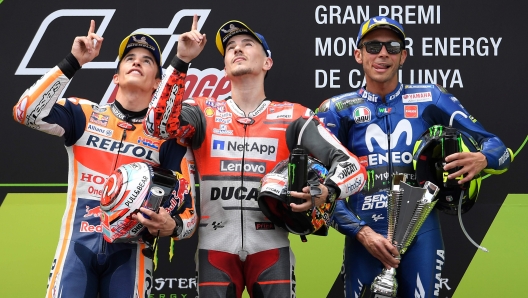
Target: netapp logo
x: 236, y: 166
x: 250, y: 148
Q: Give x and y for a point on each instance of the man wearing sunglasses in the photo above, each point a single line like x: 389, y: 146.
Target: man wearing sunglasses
x: 380, y: 124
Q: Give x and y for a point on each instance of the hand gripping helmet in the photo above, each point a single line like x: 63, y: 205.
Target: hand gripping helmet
x: 273, y: 201
x: 136, y: 185
x: 429, y: 153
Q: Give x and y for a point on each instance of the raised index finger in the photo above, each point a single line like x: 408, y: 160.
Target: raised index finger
x: 195, y: 23
x: 92, y: 27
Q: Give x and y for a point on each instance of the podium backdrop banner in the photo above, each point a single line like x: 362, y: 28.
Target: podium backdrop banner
x: 475, y: 51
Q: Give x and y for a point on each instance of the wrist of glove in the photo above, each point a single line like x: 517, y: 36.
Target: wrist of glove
x: 179, y: 226
x: 332, y: 194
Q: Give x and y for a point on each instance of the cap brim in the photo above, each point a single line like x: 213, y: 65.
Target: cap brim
x: 388, y: 26
x: 230, y: 29
x: 140, y: 40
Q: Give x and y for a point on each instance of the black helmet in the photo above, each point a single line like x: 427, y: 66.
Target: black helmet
x: 273, y: 201
x: 429, y: 153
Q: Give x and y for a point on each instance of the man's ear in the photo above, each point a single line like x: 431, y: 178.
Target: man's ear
x: 268, y: 63
x: 115, y: 79
x: 358, y: 56
x: 403, y: 57
x: 156, y: 84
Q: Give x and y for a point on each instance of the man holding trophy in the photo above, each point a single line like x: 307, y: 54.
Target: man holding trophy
x: 381, y: 123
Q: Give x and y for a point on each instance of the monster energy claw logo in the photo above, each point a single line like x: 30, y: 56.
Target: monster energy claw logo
x: 435, y: 130
x: 370, y: 179
x: 291, y: 172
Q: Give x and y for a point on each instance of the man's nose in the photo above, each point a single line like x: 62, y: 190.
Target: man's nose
x: 383, y: 51
x: 237, y: 48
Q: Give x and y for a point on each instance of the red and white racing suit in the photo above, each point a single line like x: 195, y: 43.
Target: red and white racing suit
x: 98, y: 139
x: 238, y: 246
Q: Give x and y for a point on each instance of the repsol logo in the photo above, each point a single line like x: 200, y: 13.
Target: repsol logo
x: 252, y: 148
x: 116, y: 146
x: 348, y: 169
x: 236, y: 166
x: 238, y: 193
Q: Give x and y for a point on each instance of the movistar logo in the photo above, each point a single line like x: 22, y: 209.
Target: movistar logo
x: 375, y: 132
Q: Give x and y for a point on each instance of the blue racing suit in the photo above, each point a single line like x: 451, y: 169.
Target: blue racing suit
x: 382, y: 133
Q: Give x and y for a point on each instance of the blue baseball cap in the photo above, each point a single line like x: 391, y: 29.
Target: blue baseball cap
x: 140, y: 40
x: 233, y: 28
x: 379, y: 22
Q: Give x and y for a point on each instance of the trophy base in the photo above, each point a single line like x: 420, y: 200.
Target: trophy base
x: 366, y: 292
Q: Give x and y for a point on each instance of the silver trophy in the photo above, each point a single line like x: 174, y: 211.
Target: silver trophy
x: 407, y: 208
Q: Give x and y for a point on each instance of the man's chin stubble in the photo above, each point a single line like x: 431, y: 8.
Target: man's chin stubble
x: 241, y: 72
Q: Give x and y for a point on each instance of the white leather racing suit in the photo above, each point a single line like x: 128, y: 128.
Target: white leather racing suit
x: 238, y: 245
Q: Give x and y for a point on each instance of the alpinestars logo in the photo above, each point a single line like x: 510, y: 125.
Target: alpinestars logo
x: 207, y: 82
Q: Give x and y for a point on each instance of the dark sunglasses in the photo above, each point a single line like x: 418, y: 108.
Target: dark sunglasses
x: 374, y: 47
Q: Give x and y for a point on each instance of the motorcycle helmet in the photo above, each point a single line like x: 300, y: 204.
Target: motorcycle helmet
x: 136, y: 185
x: 273, y: 201
x: 429, y: 155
